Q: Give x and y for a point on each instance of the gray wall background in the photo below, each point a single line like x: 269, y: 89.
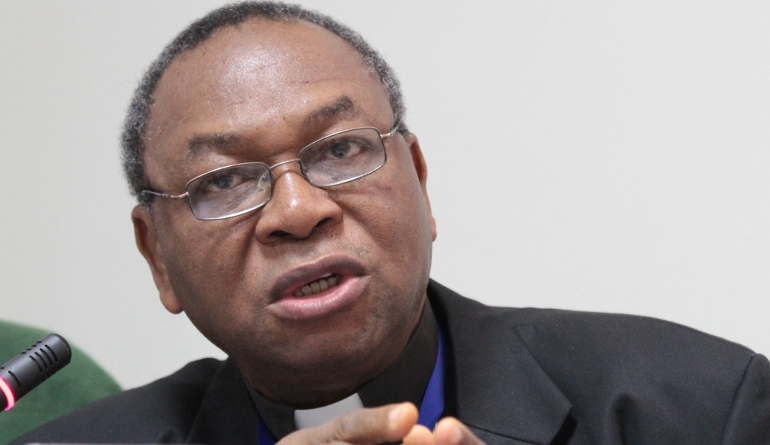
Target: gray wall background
x: 600, y: 156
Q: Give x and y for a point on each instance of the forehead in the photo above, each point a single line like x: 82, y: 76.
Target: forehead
x: 259, y: 75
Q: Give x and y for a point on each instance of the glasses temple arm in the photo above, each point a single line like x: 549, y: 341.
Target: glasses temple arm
x: 165, y: 195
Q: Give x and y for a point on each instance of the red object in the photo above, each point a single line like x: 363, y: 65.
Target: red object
x: 8, y: 394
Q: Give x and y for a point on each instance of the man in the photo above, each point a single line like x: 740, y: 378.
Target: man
x: 283, y: 207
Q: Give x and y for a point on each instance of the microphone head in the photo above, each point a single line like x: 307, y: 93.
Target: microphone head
x: 32, y: 367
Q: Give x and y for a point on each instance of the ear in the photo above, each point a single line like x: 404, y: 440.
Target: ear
x: 147, y: 242
x: 422, y: 174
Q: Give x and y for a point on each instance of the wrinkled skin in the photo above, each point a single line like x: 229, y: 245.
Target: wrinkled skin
x: 259, y: 84
x: 261, y: 92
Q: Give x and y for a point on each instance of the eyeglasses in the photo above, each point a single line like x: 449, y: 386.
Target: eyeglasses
x: 236, y: 189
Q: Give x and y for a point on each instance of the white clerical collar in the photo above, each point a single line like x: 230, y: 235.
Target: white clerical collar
x: 404, y: 380
x: 309, y: 418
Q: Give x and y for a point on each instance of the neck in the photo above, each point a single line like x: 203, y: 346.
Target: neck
x: 320, y: 384
x: 405, y: 379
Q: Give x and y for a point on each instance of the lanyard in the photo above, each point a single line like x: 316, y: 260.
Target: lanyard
x: 430, y: 410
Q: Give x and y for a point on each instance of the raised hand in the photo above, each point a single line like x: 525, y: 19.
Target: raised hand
x: 387, y: 424
x: 448, y: 431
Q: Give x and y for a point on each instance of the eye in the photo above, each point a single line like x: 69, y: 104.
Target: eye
x: 339, y: 150
x: 220, y: 182
x: 223, y: 182
x: 343, y: 148
x: 343, y: 157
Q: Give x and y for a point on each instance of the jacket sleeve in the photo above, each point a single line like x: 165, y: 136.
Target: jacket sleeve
x: 749, y: 421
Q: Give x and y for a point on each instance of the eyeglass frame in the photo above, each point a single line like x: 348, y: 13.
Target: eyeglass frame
x: 186, y: 193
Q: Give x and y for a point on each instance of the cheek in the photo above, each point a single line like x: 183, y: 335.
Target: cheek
x: 206, y: 261
x: 397, y: 217
x: 405, y: 203
x: 393, y: 214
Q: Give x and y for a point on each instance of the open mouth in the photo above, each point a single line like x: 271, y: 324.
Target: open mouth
x: 325, y: 282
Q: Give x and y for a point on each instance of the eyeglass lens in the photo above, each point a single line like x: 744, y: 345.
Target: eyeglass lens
x: 333, y: 160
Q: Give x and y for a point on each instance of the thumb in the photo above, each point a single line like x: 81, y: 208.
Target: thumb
x: 389, y: 423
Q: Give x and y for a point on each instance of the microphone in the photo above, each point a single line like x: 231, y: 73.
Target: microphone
x: 32, y: 367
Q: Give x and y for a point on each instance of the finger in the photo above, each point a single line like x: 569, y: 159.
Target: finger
x: 419, y: 435
x: 450, y: 431
x: 365, y: 426
x: 376, y: 425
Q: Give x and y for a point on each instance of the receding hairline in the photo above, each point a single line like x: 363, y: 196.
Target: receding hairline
x: 283, y: 22
x: 341, y: 103
x: 135, y: 135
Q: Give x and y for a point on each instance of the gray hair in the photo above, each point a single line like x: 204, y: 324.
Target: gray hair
x: 133, y: 137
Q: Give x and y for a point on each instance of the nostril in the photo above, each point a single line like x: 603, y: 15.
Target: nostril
x: 285, y: 234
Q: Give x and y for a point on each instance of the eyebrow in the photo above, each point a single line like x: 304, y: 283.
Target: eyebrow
x: 222, y: 142
x: 339, y: 108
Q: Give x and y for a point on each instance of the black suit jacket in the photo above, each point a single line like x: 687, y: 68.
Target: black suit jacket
x: 515, y: 376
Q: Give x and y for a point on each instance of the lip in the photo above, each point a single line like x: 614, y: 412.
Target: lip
x: 351, y: 286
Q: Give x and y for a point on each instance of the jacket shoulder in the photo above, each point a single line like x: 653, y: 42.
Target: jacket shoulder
x: 613, y: 335
x: 627, y: 346
x: 652, y: 376
x: 160, y: 412
x: 627, y: 378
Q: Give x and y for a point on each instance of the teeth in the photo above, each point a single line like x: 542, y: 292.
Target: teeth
x: 325, y: 282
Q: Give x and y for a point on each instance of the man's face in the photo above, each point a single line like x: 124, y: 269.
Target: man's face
x: 261, y: 92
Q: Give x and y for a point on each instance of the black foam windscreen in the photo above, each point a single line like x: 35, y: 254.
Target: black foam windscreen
x: 32, y: 367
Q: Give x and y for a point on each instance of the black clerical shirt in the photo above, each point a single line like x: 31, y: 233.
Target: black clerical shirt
x: 403, y: 381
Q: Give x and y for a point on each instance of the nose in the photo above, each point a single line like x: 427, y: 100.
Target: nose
x: 296, y: 208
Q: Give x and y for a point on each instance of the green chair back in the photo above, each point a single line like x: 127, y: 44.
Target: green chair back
x: 79, y: 383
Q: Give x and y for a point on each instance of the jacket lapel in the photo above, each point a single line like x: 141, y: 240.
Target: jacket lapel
x: 500, y: 391
x: 226, y: 414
